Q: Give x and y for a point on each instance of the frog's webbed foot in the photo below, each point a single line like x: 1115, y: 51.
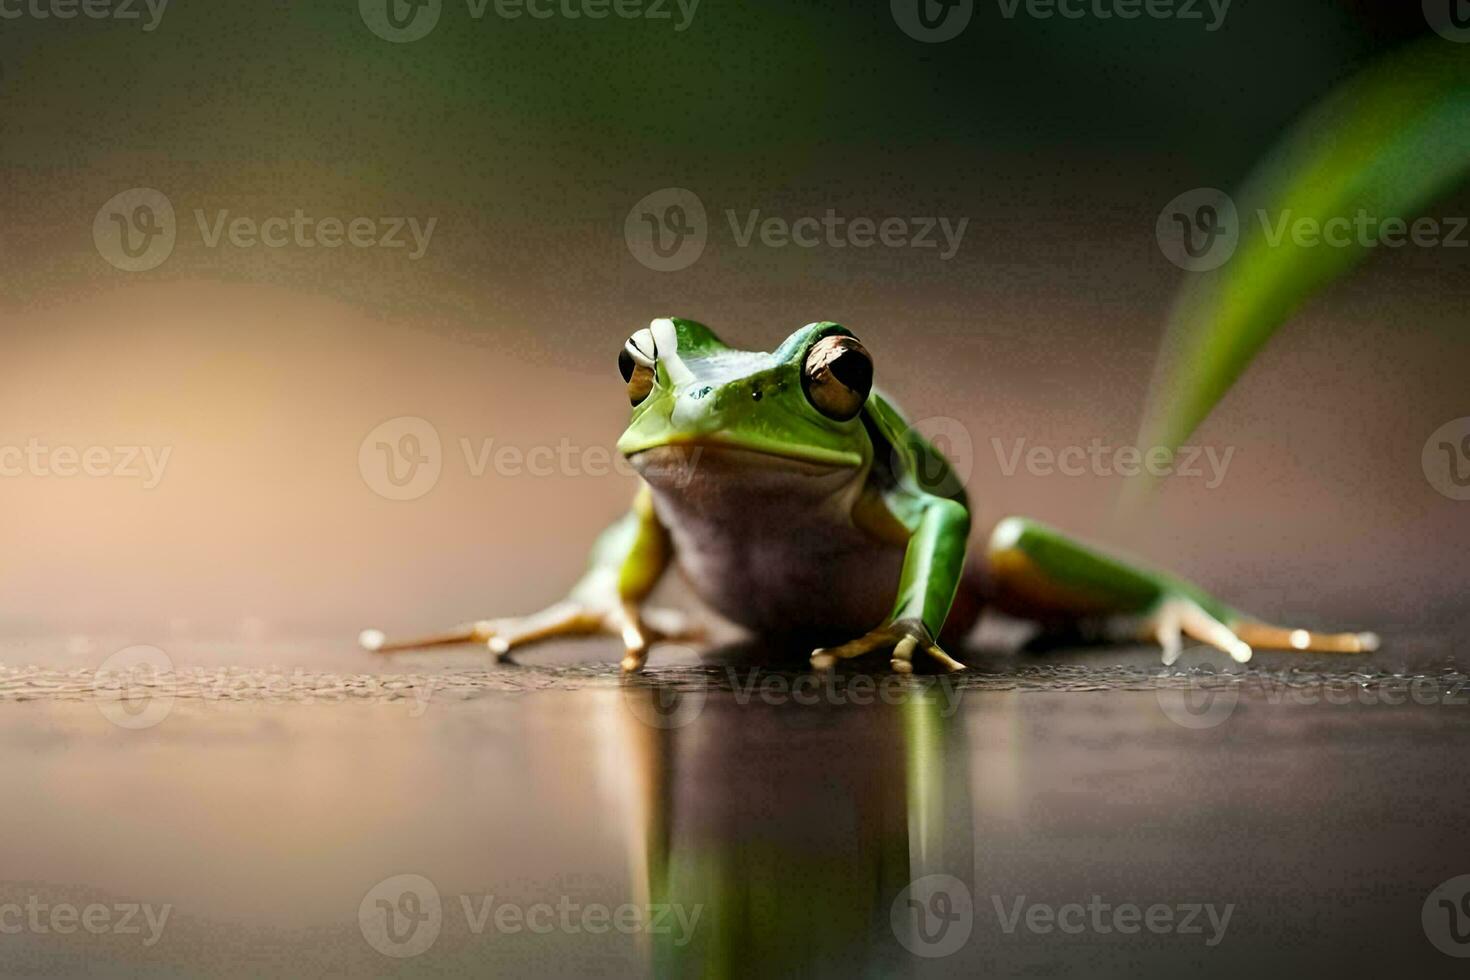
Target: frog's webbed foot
x: 902, y: 636
x: 638, y: 629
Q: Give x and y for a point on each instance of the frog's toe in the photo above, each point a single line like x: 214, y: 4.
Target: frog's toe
x: 825, y: 658
x: 903, y: 636
x: 1177, y: 618
x: 640, y: 629
x: 374, y: 640
x: 903, y: 656
x: 565, y: 618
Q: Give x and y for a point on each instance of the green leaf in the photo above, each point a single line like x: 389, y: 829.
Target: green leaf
x: 1383, y: 145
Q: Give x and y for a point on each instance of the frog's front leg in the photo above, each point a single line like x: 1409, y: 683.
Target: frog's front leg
x: 626, y: 563
x: 932, y: 567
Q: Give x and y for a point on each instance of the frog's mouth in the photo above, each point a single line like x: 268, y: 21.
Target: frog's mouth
x: 747, y: 448
x: 739, y: 477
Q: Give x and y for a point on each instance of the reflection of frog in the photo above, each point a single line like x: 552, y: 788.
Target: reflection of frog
x: 782, y: 870
x: 798, y: 501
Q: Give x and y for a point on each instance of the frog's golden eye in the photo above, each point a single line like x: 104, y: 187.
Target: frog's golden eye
x: 838, y: 376
x: 636, y: 361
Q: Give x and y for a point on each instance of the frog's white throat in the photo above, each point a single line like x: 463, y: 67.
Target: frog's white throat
x: 756, y: 535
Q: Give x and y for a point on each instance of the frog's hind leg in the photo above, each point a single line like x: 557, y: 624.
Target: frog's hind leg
x: 1036, y: 572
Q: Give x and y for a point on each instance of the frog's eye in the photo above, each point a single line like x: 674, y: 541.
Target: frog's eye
x: 636, y: 361
x: 837, y: 377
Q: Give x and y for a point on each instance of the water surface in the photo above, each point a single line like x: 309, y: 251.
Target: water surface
x: 439, y: 816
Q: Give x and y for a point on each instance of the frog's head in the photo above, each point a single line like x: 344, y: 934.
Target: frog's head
x: 801, y: 403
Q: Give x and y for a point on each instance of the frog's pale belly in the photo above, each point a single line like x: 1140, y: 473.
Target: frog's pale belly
x: 769, y: 543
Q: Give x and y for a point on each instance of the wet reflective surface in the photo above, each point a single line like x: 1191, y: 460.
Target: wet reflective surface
x: 1078, y: 810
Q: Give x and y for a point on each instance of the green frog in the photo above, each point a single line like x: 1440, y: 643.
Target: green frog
x: 799, y: 503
